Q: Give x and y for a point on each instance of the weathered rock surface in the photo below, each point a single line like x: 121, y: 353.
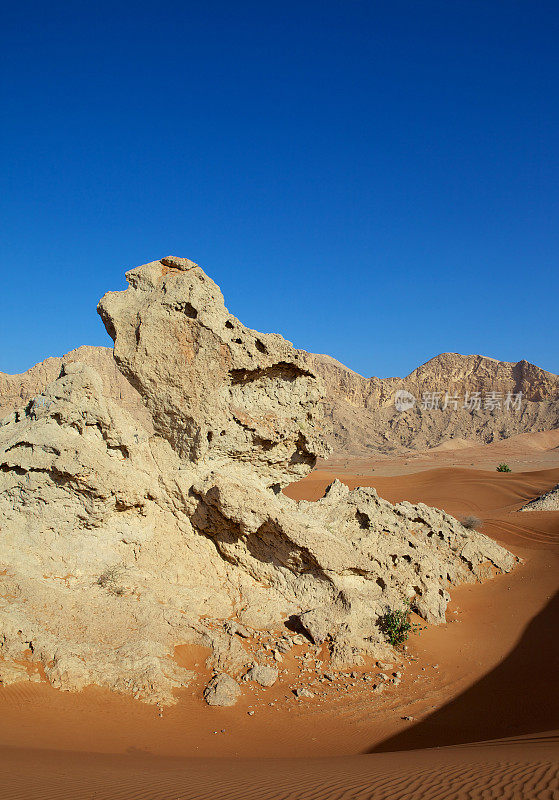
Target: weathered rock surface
x: 120, y: 540
x: 549, y: 501
x: 17, y: 390
x: 360, y: 412
x: 218, y: 392
x: 262, y: 674
x: 303, y: 692
x: 222, y: 690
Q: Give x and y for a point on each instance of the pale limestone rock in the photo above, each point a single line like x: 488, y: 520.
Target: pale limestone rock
x: 262, y: 674
x: 360, y: 411
x: 222, y: 690
x: 12, y: 673
x: 121, y: 540
x: 218, y: 391
x: 17, y: 390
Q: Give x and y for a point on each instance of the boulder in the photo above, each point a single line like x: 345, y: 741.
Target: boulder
x: 222, y: 690
x: 262, y: 674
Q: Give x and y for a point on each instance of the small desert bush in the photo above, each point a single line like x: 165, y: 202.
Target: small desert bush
x: 110, y: 579
x: 397, y: 625
x: 504, y: 468
x: 472, y: 523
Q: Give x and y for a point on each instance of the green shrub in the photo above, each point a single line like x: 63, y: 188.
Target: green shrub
x: 504, y: 468
x: 397, y: 625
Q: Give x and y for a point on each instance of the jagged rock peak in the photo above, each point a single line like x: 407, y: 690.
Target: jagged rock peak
x: 216, y: 389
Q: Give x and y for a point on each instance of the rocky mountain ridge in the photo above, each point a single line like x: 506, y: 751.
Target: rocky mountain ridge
x: 477, y: 389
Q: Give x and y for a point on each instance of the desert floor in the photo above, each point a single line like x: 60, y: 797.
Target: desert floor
x: 482, y: 689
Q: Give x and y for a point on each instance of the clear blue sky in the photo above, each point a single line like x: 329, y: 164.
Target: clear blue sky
x: 374, y: 180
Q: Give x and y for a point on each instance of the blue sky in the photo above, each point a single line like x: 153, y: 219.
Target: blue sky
x: 374, y: 180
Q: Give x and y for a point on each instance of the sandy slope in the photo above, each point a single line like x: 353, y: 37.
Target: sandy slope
x: 523, y: 452
x: 490, y: 674
x: 516, y: 769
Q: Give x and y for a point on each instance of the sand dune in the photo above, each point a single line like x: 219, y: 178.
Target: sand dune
x: 523, y: 453
x: 485, y: 684
x: 518, y: 768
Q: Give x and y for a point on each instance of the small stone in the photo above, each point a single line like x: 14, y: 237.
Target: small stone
x: 222, y: 690
x: 262, y: 674
x: 302, y: 692
x: 235, y: 628
x: 408, y: 719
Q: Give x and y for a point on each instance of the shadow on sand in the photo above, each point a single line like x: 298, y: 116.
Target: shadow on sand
x: 519, y: 697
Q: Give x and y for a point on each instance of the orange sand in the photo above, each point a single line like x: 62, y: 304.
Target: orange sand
x: 489, y: 674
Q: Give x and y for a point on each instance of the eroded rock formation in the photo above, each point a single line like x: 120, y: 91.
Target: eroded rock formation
x: 361, y: 415
x: 122, y: 539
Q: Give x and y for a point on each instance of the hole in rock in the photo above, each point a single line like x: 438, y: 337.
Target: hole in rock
x: 261, y: 346
x: 362, y: 519
x: 187, y: 309
x: 293, y: 624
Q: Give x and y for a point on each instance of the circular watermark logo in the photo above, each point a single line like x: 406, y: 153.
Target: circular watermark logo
x: 404, y: 400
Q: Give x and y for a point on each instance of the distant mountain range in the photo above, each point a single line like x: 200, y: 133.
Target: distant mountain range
x: 486, y: 400
x: 456, y: 399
